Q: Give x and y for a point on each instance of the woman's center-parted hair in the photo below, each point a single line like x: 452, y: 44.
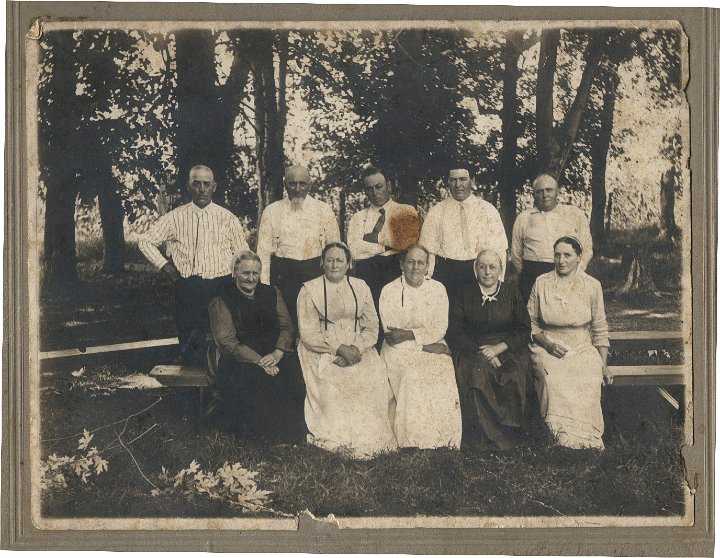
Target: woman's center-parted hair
x: 342, y: 246
x: 245, y: 255
x: 572, y: 241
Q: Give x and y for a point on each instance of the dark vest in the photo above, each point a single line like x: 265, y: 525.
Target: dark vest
x: 255, y: 320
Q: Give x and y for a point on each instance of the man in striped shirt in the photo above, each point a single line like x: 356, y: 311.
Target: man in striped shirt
x: 292, y: 234
x: 201, y: 240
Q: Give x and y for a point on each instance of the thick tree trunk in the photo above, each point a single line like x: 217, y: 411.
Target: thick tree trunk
x: 544, y: 103
x: 635, y: 264
x: 59, y: 242
x: 509, y: 180
x: 270, y: 114
x: 668, y: 226
x: 571, y: 124
x: 112, y: 216
x: 554, y: 144
x: 202, y: 118
x: 59, y: 160
x: 599, y: 153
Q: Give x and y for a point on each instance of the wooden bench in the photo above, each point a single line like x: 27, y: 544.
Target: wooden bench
x: 172, y: 375
x: 649, y: 374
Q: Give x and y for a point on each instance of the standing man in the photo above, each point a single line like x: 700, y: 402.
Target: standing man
x: 201, y: 239
x: 457, y: 229
x: 536, y: 230
x: 377, y: 234
x: 293, y: 231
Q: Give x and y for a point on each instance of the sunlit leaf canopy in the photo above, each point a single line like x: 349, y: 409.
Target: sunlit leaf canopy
x: 128, y: 111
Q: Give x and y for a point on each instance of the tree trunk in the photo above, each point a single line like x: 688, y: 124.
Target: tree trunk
x: 568, y: 131
x: 636, y: 270
x: 544, y: 103
x: 202, y: 117
x: 509, y: 180
x: 59, y: 242
x: 668, y: 227
x: 554, y: 145
x: 112, y: 217
x: 599, y: 153
x: 270, y: 114
x: 60, y: 115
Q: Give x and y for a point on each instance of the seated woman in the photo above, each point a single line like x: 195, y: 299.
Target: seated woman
x: 569, y: 349
x: 489, y: 334
x: 258, y: 378
x: 414, y: 314
x: 348, y: 394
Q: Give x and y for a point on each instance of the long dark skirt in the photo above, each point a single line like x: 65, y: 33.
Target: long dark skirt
x: 493, y: 401
x: 267, y: 406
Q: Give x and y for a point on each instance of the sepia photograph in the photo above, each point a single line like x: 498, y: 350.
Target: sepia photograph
x: 376, y: 274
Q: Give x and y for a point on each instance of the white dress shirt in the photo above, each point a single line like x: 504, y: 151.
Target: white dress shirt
x: 297, y: 234
x: 535, y: 232
x: 443, y: 233
x: 400, y: 230
x: 199, y: 241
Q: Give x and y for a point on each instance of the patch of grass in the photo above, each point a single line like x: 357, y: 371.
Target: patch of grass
x: 639, y: 473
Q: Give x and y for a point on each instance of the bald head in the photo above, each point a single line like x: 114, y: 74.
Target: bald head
x: 297, y: 182
x: 545, y: 192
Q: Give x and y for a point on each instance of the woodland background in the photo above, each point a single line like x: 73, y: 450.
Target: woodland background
x: 123, y: 115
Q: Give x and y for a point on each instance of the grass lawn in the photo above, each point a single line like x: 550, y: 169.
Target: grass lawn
x: 639, y: 473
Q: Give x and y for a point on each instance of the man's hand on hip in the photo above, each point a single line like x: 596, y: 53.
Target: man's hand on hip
x: 171, y: 271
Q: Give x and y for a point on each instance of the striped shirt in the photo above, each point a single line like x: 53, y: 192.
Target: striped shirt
x: 199, y: 241
x: 297, y: 234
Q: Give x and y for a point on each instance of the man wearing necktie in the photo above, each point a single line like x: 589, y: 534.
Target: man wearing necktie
x: 201, y: 240
x: 379, y: 233
x: 457, y: 229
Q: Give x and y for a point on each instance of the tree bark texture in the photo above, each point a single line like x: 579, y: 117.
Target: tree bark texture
x: 202, y: 117
x: 509, y: 180
x: 599, y: 154
x: 60, y: 159
x: 544, y: 103
x: 112, y: 217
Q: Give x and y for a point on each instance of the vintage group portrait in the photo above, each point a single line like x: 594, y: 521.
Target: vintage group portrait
x: 375, y: 273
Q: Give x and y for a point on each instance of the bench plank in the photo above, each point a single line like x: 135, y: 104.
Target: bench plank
x: 177, y: 375
x: 648, y: 375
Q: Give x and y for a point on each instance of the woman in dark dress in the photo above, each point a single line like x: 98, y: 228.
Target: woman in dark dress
x: 489, y: 331
x: 259, y: 377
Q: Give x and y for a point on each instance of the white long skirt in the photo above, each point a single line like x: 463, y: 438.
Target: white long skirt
x: 348, y: 409
x: 427, y: 413
x: 569, y: 390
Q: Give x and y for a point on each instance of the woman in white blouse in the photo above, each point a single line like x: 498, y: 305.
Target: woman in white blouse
x: 349, y: 400
x: 570, y: 348
x: 414, y: 313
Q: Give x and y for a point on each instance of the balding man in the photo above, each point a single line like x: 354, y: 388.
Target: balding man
x: 536, y: 230
x: 293, y: 231
x: 201, y: 240
x: 457, y: 228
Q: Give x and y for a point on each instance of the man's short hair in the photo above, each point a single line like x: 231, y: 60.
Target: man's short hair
x: 459, y: 165
x: 201, y: 167
x: 371, y: 171
x: 245, y: 255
